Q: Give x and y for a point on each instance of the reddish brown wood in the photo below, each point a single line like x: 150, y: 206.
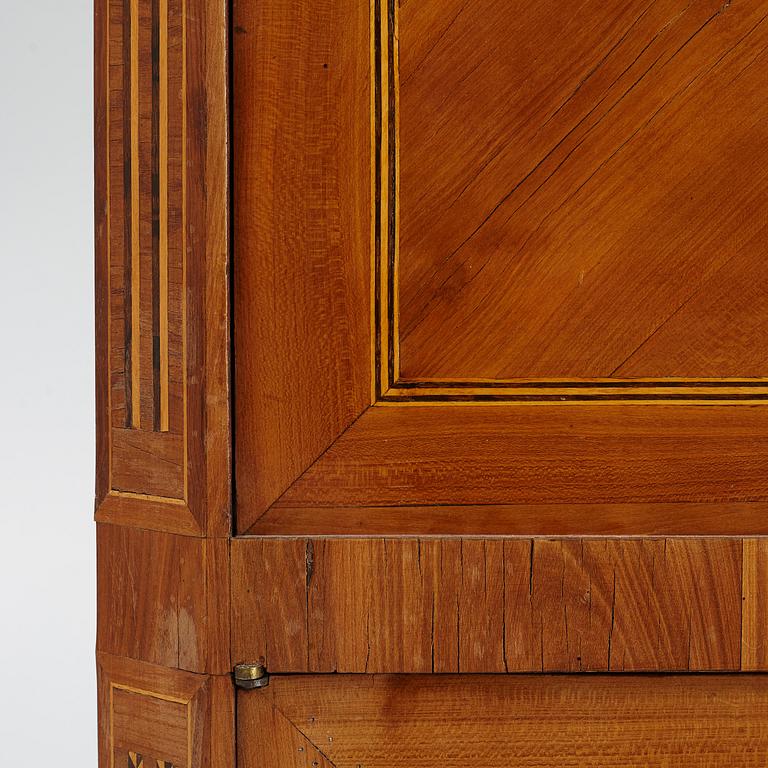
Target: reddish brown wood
x: 516, y: 520
x: 101, y: 263
x: 164, y: 598
x: 593, y: 139
x: 578, y: 194
x: 269, y: 603
x: 489, y: 605
x: 208, y: 395
x: 216, y: 559
x: 279, y: 741
x: 303, y: 235
x: 163, y: 438
x: 697, y: 339
x: 553, y: 195
x: 754, y: 610
x: 148, y: 463
x: 494, y: 722
x: 182, y: 465
x: 558, y: 454
x: 163, y: 715
x: 153, y: 514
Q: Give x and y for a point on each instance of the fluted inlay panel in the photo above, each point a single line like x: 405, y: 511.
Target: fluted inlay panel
x: 146, y: 222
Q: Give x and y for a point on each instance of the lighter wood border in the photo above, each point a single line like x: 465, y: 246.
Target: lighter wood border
x: 696, y: 391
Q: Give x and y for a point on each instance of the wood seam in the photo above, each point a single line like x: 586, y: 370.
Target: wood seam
x: 318, y: 458
x: 298, y: 730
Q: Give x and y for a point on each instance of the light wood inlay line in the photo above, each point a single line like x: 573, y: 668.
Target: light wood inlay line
x: 147, y: 497
x: 184, y: 239
x: 389, y: 388
x: 187, y: 703
x: 395, y: 189
x: 163, y: 276
x: 159, y: 213
x: 156, y: 224
x: 374, y: 208
x: 146, y: 260
x: 135, y: 254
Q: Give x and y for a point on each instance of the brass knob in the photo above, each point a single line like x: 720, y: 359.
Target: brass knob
x: 249, y: 676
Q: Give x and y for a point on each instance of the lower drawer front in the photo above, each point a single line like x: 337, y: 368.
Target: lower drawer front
x: 366, y: 721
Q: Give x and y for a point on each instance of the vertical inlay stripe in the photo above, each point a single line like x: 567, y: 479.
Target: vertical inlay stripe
x: 127, y: 119
x: 386, y: 381
x: 185, y: 395
x: 146, y: 126
x: 163, y: 277
x: 155, y: 197
x: 135, y: 276
x: 394, y: 223
x: 377, y: 195
x: 374, y: 198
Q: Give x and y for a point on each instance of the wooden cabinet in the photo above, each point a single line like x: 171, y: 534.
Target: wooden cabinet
x: 431, y: 353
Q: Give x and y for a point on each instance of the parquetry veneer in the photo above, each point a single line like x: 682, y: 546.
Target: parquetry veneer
x: 430, y: 353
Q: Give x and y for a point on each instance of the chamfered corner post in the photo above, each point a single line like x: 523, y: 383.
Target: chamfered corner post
x: 163, y: 478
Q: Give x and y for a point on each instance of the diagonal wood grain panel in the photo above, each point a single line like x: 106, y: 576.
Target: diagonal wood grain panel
x: 391, y: 721
x: 269, y: 738
x: 577, y: 191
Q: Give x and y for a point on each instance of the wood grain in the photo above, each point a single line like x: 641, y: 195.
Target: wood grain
x: 302, y: 228
x: 561, y: 454
x: 144, y: 222
x: 164, y: 598
x: 209, y: 436
x: 149, y: 463
x: 101, y: 106
x: 163, y: 489
x: 576, y: 520
x: 266, y: 605
x: 164, y: 715
x: 489, y: 605
x: 578, y: 195
x: 578, y: 198
x: 754, y: 611
x: 560, y: 107
x: 492, y: 722
x: 267, y: 738
x: 162, y: 381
